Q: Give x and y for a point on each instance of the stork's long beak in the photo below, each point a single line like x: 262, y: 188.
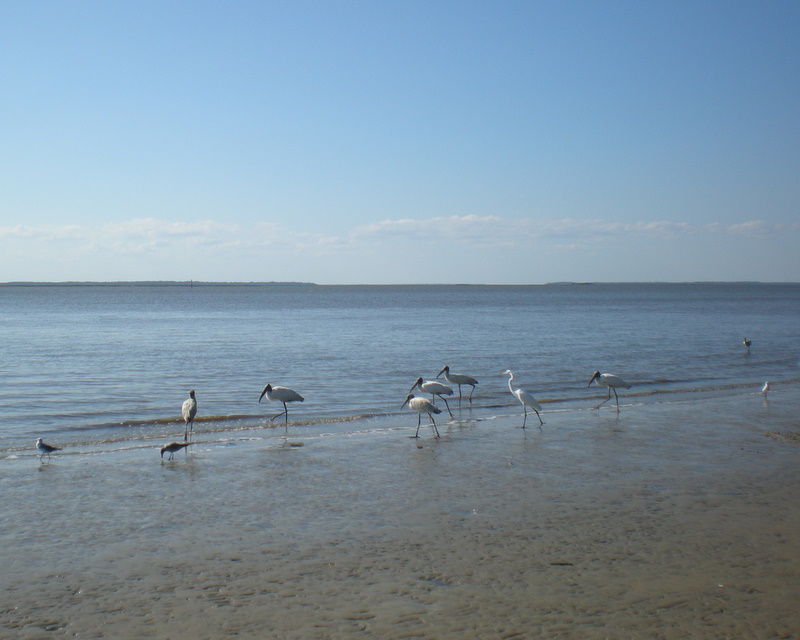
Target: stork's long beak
x: 441, y: 372
x: 405, y: 401
x: 263, y: 393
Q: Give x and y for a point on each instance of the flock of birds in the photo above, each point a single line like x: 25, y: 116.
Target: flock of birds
x: 417, y: 404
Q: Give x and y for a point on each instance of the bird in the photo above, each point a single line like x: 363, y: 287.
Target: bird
x: 422, y: 405
x: 435, y: 389
x: 172, y: 447
x: 525, y: 397
x: 45, y: 448
x: 746, y: 343
x: 189, y: 411
x: 459, y: 379
x: 612, y: 382
x: 765, y: 388
x: 281, y: 394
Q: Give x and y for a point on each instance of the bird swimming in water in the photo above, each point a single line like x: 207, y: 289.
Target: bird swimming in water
x: 45, y: 448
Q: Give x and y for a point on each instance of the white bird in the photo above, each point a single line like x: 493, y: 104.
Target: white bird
x: 525, y: 397
x: 459, y: 379
x: 45, y: 448
x: 281, y: 394
x: 435, y: 389
x: 612, y: 382
x: 765, y: 388
x: 422, y: 405
x: 189, y: 411
x: 172, y: 448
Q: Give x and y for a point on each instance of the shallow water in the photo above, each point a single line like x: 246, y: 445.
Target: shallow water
x: 676, y: 517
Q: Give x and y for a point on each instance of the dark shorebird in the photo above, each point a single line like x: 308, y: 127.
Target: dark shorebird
x: 422, y: 405
x: 747, y: 343
x: 189, y: 411
x: 280, y: 394
x: 612, y: 382
x: 172, y: 447
x: 459, y: 379
x: 45, y: 448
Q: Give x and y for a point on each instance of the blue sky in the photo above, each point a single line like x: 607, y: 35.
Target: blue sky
x: 400, y: 142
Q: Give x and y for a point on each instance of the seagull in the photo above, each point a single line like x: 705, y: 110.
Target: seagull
x: 422, y: 405
x: 612, y: 382
x: 172, y: 448
x: 526, y: 398
x: 281, y: 394
x: 435, y: 389
x: 189, y: 411
x: 459, y: 379
x: 45, y: 448
x: 765, y: 388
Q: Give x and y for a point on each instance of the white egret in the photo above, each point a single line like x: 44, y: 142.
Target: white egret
x: 189, y: 411
x: 45, y: 448
x: 172, y: 448
x: 435, y: 389
x: 765, y: 388
x: 612, y: 382
x: 422, y: 405
x: 525, y: 397
x: 459, y: 379
x: 281, y: 394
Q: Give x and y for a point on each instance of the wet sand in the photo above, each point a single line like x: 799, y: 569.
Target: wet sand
x: 651, y: 524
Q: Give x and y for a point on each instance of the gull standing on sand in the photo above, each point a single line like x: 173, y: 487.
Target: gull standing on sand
x: 525, y: 397
x: 435, y: 389
x: 459, y: 379
x: 422, y: 405
x: 612, y: 382
x: 189, y: 411
x: 45, y: 448
x: 281, y: 394
x: 172, y: 447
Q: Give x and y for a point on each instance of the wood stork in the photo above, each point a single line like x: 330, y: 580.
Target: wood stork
x: 765, y: 388
x: 189, y: 411
x: 281, y: 394
x: 435, y: 389
x: 525, y: 397
x: 459, y: 379
x: 45, y: 448
x: 612, y: 382
x: 172, y: 448
x: 422, y: 405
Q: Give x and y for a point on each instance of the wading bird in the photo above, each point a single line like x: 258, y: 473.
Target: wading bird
x: 45, y: 448
x: 525, y: 397
x: 172, y: 448
x: 459, y: 379
x: 435, y: 389
x: 612, y: 382
x: 747, y: 343
x: 189, y: 411
x: 280, y: 394
x: 422, y: 405
x: 765, y: 388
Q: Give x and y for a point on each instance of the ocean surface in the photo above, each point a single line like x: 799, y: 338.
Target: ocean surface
x: 97, y: 368
x: 676, y: 517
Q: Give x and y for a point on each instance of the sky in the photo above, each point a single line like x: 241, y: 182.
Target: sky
x: 364, y: 142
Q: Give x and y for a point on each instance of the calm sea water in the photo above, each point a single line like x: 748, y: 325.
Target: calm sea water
x: 109, y: 365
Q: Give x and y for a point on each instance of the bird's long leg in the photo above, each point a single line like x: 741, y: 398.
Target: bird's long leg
x: 541, y: 422
x: 280, y: 413
x: 470, y: 393
x: 433, y: 422
x: 525, y: 419
x: 447, y: 405
x: 459, y: 394
x: 616, y: 396
x: 419, y: 422
x: 606, y: 400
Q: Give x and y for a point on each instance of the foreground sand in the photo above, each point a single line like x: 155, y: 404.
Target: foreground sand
x: 490, y: 532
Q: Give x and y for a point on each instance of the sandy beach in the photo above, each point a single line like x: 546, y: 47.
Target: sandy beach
x: 642, y: 525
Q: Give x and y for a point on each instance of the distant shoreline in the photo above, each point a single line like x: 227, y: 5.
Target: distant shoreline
x: 205, y: 283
